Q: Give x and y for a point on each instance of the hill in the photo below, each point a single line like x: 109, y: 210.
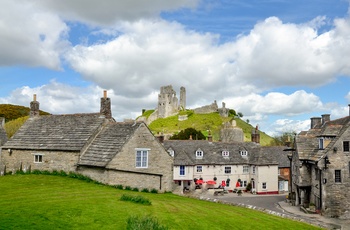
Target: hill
x: 12, y: 112
x: 56, y: 202
x: 15, y: 116
x: 203, y: 123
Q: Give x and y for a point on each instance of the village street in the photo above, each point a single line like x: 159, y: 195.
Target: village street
x: 278, y: 206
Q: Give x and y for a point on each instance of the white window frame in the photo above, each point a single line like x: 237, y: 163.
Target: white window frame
x: 243, y: 183
x: 264, y: 185
x: 244, y: 153
x: 199, y: 153
x: 141, y: 158
x: 38, y: 158
x: 225, y: 153
x: 199, y: 168
x: 182, y: 170
x: 171, y: 152
x: 245, y: 168
x: 228, y: 170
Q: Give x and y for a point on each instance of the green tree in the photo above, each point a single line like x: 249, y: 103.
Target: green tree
x: 186, y: 133
x: 285, y: 139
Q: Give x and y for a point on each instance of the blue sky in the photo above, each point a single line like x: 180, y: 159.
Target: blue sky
x: 279, y: 62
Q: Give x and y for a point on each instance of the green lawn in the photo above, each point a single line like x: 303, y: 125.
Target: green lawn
x: 55, y: 202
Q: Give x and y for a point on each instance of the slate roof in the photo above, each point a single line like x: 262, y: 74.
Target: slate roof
x: 307, y: 141
x: 108, y: 143
x: 56, y: 132
x: 185, y: 153
x: 3, y: 135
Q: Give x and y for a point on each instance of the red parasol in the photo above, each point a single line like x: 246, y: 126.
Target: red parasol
x: 211, y: 182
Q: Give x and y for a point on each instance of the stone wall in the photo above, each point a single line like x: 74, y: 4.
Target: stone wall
x: 51, y: 160
x: 207, y: 109
x: 159, y: 172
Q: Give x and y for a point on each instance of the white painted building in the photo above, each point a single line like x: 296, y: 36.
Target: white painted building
x: 243, y: 162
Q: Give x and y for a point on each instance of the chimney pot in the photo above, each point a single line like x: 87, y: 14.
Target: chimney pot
x: 104, y: 93
x: 34, y: 97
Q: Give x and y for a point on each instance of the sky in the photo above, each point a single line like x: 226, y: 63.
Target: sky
x: 278, y: 62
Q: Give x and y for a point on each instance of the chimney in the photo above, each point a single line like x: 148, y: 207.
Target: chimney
x: 210, y: 137
x: 349, y: 109
x: 255, y: 135
x: 161, y: 138
x: 106, y: 106
x: 34, y: 107
x: 325, y: 118
x: 315, y: 121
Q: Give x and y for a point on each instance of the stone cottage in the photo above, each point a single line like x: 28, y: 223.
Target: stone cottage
x: 92, y: 144
x: 321, y: 167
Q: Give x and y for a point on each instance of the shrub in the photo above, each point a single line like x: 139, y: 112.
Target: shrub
x: 145, y: 190
x: 127, y: 188
x: 154, y: 190
x: 135, y: 189
x: 119, y: 186
x: 144, y: 223
x: 136, y: 199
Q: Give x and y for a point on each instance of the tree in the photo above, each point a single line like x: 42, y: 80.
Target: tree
x: 286, y: 138
x: 240, y: 114
x: 186, y: 133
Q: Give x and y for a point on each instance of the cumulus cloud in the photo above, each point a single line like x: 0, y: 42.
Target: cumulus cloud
x: 277, y: 54
x: 108, y: 12
x: 30, y: 36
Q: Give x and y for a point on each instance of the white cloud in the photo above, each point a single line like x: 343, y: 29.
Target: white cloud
x: 108, y: 12
x: 30, y: 36
x: 277, y: 54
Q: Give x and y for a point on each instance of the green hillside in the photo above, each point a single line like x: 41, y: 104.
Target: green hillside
x: 15, y: 116
x: 204, y: 122
x: 12, y: 112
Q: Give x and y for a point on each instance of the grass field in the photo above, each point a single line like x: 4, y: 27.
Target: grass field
x: 55, y: 202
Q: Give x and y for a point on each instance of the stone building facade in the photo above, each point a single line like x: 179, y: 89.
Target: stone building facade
x: 93, y: 144
x: 321, y: 167
x: 3, y: 135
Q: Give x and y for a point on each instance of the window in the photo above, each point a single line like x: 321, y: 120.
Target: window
x: 346, y: 146
x: 38, y: 158
x: 227, y: 170
x: 264, y: 185
x: 244, y: 153
x: 171, y: 152
x: 317, y: 174
x: 253, y: 170
x: 337, y: 176
x: 243, y: 184
x: 245, y: 169
x: 182, y: 170
x: 199, y: 153
x: 141, y: 158
x: 320, y: 143
x: 225, y: 153
x: 199, y: 168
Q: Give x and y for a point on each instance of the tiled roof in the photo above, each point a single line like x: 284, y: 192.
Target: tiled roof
x: 307, y: 141
x: 185, y: 153
x: 56, y: 132
x: 108, y: 143
x: 3, y: 135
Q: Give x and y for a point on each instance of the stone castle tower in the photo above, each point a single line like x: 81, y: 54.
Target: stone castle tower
x: 182, y: 98
x: 167, y: 102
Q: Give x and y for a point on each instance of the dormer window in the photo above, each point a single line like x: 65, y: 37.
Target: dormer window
x: 199, y: 153
x: 171, y: 152
x: 225, y: 153
x: 244, y: 153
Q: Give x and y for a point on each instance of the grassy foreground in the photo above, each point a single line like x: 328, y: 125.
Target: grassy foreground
x: 54, y: 202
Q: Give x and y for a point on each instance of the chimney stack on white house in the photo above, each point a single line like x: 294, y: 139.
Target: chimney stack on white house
x: 34, y: 107
x: 106, y: 106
